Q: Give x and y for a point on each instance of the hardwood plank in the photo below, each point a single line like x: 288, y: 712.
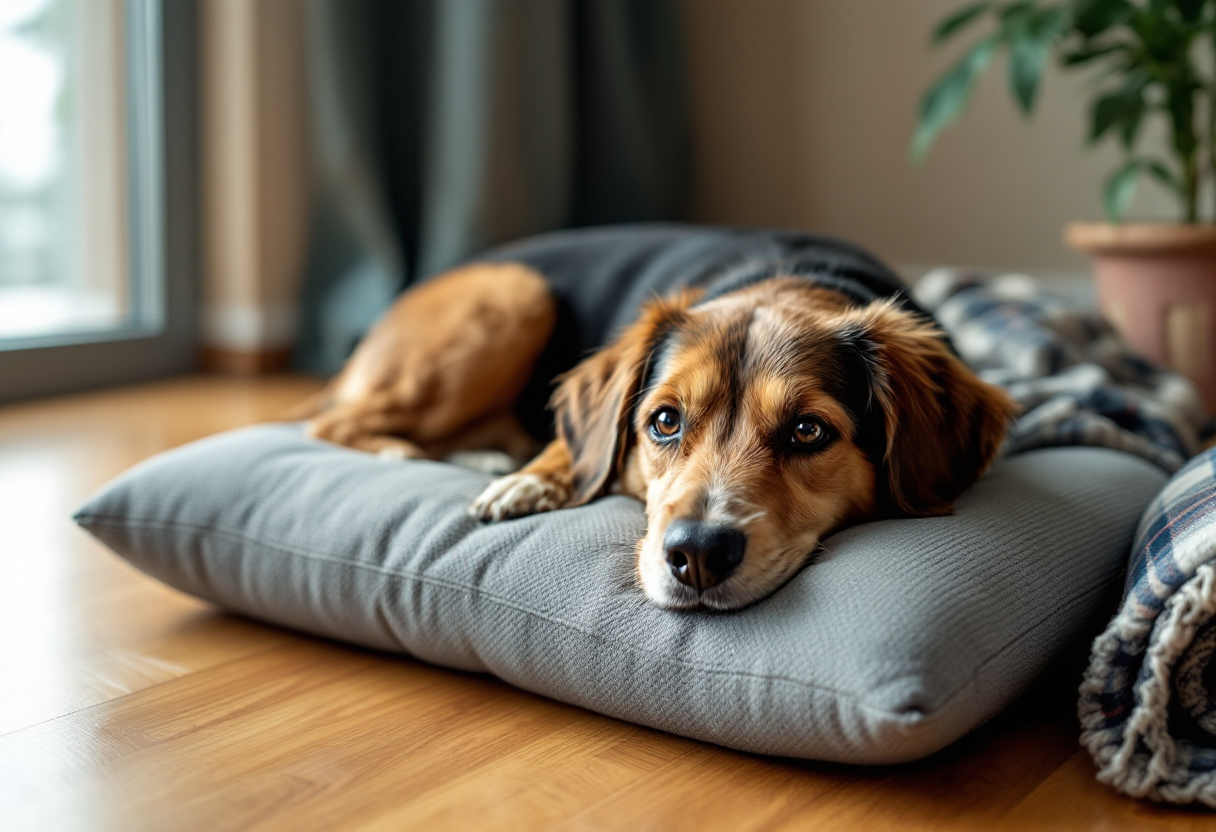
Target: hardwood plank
x: 1072, y: 798
x: 711, y: 788
x: 950, y: 790
x: 54, y: 683
x: 280, y: 733
x: 542, y: 781
x: 946, y: 791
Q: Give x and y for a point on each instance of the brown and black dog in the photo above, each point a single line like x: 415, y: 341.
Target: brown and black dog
x: 753, y: 416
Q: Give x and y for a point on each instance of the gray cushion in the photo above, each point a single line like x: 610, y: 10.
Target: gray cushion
x: 901, y: 637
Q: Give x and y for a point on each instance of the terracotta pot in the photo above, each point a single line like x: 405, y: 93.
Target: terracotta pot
x: 1157, y: 285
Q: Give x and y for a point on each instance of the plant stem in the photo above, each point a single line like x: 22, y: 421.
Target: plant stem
x: 1188, y: 143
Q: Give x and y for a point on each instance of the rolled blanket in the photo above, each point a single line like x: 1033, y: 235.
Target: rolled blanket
x: 1077, y: 382
x: 1148, y: 701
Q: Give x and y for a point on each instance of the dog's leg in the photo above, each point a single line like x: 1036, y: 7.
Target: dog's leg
x: 449, y: 355
x: 367, y: 425
x: 544, y: 484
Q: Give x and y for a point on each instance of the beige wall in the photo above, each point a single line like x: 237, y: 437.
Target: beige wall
x: 803, y: 111
x: 254, y: 172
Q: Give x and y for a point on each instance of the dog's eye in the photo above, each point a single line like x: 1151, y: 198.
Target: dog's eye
x: 808, y: 432
x: 666, y: 423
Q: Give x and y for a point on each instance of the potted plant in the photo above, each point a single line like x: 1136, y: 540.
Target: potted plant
x: 1156, y: 281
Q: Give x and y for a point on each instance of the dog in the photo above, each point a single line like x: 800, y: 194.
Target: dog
x: 762, y: 390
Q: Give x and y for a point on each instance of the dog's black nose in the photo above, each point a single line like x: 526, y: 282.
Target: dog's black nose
x: 700, y: 554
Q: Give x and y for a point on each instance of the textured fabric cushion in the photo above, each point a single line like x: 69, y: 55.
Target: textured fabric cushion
x: 901, y: 637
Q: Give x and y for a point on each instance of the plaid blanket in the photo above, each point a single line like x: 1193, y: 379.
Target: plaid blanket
x: 1148, y: 699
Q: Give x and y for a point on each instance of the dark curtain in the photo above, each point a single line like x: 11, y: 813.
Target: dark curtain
x: 442, y: 127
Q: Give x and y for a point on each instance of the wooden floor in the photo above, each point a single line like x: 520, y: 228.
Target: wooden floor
x: 128, y: 706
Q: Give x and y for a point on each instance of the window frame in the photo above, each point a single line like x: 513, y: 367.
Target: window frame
x: 161, y: 337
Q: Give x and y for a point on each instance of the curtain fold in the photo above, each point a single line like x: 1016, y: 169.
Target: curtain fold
x: 442, y: 127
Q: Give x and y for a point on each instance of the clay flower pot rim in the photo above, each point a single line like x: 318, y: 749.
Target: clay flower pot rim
x: 1140, y: 237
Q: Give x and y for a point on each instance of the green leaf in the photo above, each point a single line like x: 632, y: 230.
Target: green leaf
x: 1180, y: 103
x: 1120, y: 188
x: 1165, y: 176
x: 945, y: 100
x: 1031, y: 39
x: 1053, y: 21
x: 1011, y: 13
x: 1130, y: 120
x: 1190, y: 10
x: 1123, y: 108
x: 1154, y: 32
x: 1103, y: 115
x: 1093, y: 17
x: 956, y: 22
x: 1086, y: 54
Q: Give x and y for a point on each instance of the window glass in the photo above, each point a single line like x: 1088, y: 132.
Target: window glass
x: 63, y: 195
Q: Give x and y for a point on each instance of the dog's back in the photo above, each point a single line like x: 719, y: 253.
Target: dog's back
x: 601, y: 277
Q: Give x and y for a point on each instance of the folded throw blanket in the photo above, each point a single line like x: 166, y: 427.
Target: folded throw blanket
x: 1148, y: 699
x: 1077, y: 382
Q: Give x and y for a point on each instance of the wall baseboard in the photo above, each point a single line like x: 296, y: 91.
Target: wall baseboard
x: 249, y: 327
x: 243, y: 362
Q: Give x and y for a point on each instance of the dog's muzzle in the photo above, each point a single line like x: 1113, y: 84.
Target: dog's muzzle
x: 702, y: 555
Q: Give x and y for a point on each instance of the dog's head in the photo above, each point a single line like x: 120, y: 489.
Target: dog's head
x: 756, y: 423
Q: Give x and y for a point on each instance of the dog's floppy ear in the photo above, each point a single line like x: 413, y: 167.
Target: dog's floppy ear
x: 941, y: 425
x: 594, y: 401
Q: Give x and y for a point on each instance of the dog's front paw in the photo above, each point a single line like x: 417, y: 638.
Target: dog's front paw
x: 519, y: 495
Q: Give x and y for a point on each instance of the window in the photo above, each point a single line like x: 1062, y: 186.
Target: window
x: 97, y: 144
x: 63, y: 211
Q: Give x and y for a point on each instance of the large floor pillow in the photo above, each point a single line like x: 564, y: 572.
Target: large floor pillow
x: 900, y: 637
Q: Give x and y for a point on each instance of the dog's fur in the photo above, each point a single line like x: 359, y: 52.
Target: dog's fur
x: 900, y: 425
